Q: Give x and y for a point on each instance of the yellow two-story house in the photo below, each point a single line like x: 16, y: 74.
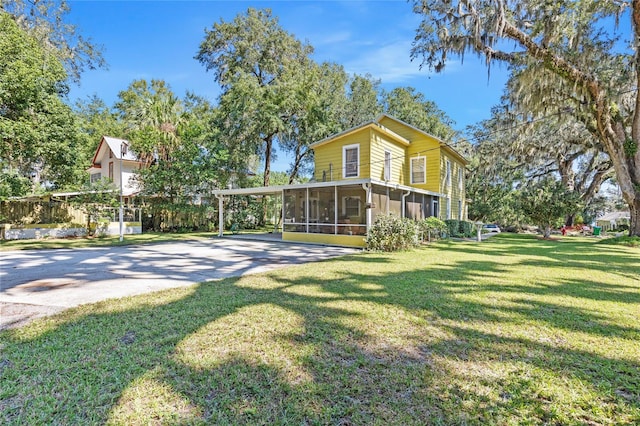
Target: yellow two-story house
x: 384, y: 166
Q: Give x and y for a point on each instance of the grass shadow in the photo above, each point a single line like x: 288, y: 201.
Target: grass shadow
x: 448, y: 334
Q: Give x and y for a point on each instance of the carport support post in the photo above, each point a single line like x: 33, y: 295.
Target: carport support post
x: 220, y: 214
x: 479, y: 228
x: 368, y: 191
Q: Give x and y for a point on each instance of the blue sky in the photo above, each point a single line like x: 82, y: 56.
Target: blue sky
x: 158, y: 40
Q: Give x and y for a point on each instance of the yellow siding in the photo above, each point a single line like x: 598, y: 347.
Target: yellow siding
x: 331, y: 154
x: 430, y: 149
x: 453, y: 190
x: 373, y: 142
x: 330, y: 239
x: 401, y: 129
x: 379, y: 144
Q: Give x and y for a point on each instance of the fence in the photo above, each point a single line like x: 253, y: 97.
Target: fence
x: 52, y: 218
x: 20, y: 212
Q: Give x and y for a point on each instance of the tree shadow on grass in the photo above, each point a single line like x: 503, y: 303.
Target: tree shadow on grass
x: 330, y: 344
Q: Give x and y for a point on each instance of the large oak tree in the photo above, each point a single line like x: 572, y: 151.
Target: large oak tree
x: 259, y: 66
x: 38, y: 139
x: 576, y: 41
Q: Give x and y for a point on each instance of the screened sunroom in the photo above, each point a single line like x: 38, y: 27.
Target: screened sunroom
x: 340, y: 212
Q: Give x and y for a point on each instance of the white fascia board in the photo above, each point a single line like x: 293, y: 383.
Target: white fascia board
x: 279, y: 188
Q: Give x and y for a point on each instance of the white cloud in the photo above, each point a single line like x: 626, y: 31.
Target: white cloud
x: 390, y: 62
x: 331, y: 38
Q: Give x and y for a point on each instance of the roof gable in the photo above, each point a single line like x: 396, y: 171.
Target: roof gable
x: 114, y: 145
x: 366, y: 126
x: 412, y: 129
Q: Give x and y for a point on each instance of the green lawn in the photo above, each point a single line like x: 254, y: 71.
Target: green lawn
x: 513, y: 331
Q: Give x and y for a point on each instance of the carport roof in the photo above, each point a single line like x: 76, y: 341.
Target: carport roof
x: 265, y: 190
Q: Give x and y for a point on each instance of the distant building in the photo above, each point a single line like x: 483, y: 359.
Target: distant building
x: 114, y: 160
x: 613, y: 220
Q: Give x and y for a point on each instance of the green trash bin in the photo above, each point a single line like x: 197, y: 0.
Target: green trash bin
x: 596, y: 231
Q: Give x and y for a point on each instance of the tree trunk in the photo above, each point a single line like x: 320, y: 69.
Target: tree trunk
x: 569, y: 219
x: 268, y: 148
x: 634, y: 210
x: 547, y: 231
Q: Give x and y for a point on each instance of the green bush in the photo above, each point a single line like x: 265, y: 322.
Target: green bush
x: 392, y: 233
x: 459, y: 228
x: 466, y: 228
x: 432, y: 228
x: 452, y: 227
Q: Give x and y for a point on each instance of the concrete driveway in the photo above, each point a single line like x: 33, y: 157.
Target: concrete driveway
x: 43, y: 282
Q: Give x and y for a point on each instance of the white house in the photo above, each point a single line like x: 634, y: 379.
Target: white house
x: 114, y: 160
x: 612, y: 220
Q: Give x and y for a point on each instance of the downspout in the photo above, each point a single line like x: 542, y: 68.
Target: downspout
x: 306, y: 210
x: 403, y: 202
x: 220, y: 214
x: 367, y: 188
x: 282, y: 212
x: 335, y: 209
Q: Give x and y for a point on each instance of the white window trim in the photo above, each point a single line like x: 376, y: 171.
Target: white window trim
x: 460, y: 179
x: 344, y: 160
x: 448, y: 213
x: 344, y: 204
x: 447, y: 178
x: 424, y: 166
x: 387, y: 170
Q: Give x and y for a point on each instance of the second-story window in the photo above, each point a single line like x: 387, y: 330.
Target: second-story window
x: 418, y: 170
x: 111, y: 171
x: 387, y: 165
x: 350, y: 161
x: 447, y: 178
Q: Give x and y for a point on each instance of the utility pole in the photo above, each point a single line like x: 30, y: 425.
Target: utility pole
x: 121, y: 212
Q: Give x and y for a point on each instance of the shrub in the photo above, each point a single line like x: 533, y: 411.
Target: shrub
x: 459, y: 228
x: 622, y: 241
x: 452, y: 227
x: 432, y: 228
x: 466, y: 228
x: 392, y: 233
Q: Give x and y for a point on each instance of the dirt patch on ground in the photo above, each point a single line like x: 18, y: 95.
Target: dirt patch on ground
x: 18, y: 314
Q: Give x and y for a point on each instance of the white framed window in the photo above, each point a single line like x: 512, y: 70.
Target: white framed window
x: 314, y: 209
x: 447, y: 177
x: 387, y: 165
x: 460, y: 179
x: 95, y: 177
x: 418, y: 170
x: 460, y: 210
x: 351, y: 161
x: 448, y: 212
x: 435, y: 207
x: 351, y: 206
